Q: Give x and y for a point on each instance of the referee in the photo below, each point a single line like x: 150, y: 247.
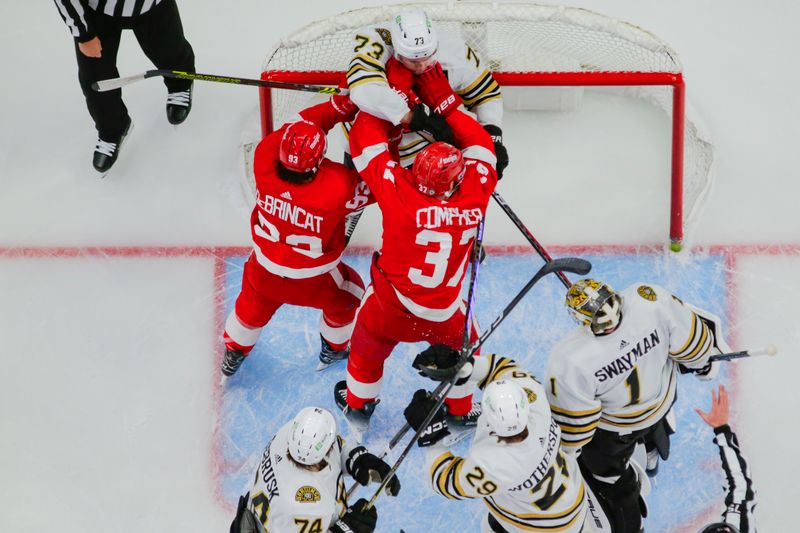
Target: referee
x: 96, y: 26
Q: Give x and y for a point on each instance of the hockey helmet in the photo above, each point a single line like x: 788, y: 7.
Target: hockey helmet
x: 311, y: 436
x: 720, y: 527
x: 413, y: 35
x: 438, y: 169
x: 302, y: 146
x: 595, y: 304
x: 505, y: 408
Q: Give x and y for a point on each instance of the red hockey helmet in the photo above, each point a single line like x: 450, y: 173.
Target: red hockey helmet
x: 302, y: 146
x: 438, y: 169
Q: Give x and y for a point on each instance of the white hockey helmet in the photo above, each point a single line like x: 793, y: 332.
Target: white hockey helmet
x: 595, y: 304
x: 506, y: 407
x: 311, y: 436
x: 413, y: 35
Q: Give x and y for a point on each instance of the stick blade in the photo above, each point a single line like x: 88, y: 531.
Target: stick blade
x: 117, y: 83
x: 575, y: 265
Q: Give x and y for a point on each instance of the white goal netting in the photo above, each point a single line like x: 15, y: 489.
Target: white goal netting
x: 528, y: 46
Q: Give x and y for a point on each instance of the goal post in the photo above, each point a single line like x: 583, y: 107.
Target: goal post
x: 527, y: 46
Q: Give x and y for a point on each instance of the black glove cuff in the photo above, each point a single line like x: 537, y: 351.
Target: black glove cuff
x: 495, y: 132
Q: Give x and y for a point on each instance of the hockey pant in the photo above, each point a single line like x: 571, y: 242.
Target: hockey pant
x: 337, y: 293
x: 605, y: 463
x: 160, y: 34
x: 382, y: 323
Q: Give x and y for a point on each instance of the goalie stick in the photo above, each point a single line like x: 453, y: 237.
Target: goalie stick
x: 118, y: 83
x: 567, y: 264
x: 528, y: 235
x: 769, y: 350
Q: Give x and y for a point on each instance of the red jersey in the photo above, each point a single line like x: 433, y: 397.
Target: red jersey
x: 298, y: 230
x: 426, y: 241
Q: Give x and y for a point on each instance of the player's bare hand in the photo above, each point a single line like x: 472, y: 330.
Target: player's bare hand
x: 718, y: 415
x: 91, y: 48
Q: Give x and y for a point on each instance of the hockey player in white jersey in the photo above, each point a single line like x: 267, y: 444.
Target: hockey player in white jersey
x: 412, y: 40
x: 515, y: 463
x: 299, y: 484
x: 612, y: 382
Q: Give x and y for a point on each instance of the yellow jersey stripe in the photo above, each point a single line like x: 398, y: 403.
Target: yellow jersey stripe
x: 691, y: 335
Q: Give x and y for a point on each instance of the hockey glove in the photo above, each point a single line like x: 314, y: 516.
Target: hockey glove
x: 245, y: 521
x: 499, y: 148
x: 416, y: 412
x: 433, y: 88
x: 364, y: 466
x: 432, y: 123
x: 439, y: 361
x: 357, y: 519
x: 708, y: 372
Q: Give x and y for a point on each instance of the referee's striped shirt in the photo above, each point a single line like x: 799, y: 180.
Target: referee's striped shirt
x: 74, y: 13
x: 741, y: 498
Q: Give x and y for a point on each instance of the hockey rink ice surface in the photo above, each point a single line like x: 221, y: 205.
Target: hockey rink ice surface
x: 186, y: 432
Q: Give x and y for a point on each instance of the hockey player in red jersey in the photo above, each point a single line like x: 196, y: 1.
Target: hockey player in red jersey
x: 431, y: 216
x: 298, y: 236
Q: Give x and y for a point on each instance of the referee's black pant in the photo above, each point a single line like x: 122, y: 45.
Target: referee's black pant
x: 160, y: 34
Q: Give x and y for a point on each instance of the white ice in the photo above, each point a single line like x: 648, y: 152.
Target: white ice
x: 109, y: 379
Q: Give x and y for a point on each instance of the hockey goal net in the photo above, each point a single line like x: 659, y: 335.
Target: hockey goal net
x: 526, y: 46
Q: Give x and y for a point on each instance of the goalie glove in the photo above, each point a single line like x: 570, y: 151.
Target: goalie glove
x: 499, y: 148
x: 421, y: 404
x: 364, y: 466
x: 434, y: 124
x: 439, y: 361
x: 357, y: 519
x: 433, y: 88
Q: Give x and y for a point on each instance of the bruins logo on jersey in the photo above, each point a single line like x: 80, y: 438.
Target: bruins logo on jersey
x: 307, y: 494
x: 531, y: 395
x: 647, y: 293
x: 385, y: 34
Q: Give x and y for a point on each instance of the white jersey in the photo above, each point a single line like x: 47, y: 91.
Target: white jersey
x: 370, y: 90
x: 290, y: 499
x: 527, y: 486
x: 626, y: 381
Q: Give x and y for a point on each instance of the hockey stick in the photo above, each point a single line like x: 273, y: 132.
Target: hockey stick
x: 528, y: 235
x: 769, y: 350
x: 350, y: 225
x: 118, y: 83
x: 567, y: 264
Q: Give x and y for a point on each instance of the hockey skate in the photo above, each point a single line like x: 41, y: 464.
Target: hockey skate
x: 106, y: 153
x: 357, y: 419
x: 179, y: 104
x: 462, y: 426
x: 232, y: 361
x: 328, y: 356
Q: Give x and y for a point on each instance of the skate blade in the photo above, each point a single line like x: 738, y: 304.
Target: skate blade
x: 358, y: 428
x: 457, y: 435
x: 324, y: 366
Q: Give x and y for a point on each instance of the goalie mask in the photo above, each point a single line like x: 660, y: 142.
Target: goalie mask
x: 311, y: 436
x: 505, y: 408
x: 595, y: 304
